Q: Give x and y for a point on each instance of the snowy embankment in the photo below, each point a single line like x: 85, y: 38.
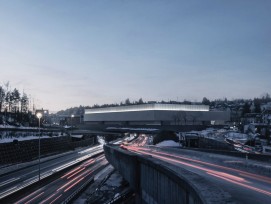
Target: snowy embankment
x: 101, y: 140
x: 18, y: 127
x: 168, y: 143
x: 237, y: 137
x: 10, y: 139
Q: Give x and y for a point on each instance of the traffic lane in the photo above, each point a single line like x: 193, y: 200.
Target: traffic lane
x: 247, y: 175
x: 46, y: 165
x: 207, y: 163
x: 14, y: 176
x: 252, y: 187
x: 58, y: 190
x: 140, y: 141
x: 30, y: 175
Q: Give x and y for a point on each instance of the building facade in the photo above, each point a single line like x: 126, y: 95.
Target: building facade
x: 156, y: 114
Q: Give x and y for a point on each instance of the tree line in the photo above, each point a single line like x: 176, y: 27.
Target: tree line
x: 205, y: 101
x: 13, y: 102
x: 127, y: 102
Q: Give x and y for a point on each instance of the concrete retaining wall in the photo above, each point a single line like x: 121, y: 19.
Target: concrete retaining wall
x: 155, y: 181
x: 126, y: 164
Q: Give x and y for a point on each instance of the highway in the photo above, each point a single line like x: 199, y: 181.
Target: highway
x: 244, y: 187
x: 15, y: 181
x: 63, y: 187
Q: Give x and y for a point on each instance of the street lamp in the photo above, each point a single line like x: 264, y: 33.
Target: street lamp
x: 72, y: 116
x: 39, y: 115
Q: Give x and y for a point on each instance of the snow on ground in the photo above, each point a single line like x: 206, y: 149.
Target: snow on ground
x: 20, y: 127
x: 240, y: 137
x: 114, y: 181
x: 101, y: 140
x: 212, y: 133
x: 7, y: 140
x: 168, y: 143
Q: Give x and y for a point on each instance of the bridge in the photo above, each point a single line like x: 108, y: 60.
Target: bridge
x: 155, y: 181
x: 159, y: 175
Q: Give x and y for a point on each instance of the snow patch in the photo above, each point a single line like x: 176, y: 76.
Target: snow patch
x: 168, y: 143
x: 7, y: 140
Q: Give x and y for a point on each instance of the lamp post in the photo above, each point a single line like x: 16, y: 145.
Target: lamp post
x: 39, y: 115
x: 72, y: 116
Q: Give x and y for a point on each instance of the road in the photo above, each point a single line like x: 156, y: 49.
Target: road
x: 64, y: 186
x: 245, y: 187
x: 14, y: 181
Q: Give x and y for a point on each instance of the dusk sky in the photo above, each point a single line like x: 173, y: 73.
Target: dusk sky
x: 71, y: 53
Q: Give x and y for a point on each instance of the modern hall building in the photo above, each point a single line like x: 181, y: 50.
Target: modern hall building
x: 156, y: 114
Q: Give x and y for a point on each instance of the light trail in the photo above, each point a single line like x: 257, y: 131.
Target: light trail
x: 76, y: 173
x: 56, y: 199
x: 74, y: 184
x: 89, y: 162
x: 20, y: 201
x: 242, y: 184
x: 227, y: 177
x: 243, y: 173
x: 69, y: 184
x: 27, y: 178
x: 70, y: 172
x: 44, y: 201
x: 34, y: 198
x: 100, y: 158
x: 78, y: 177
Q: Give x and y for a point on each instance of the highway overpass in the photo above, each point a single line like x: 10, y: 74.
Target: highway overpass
x: 184, y: 176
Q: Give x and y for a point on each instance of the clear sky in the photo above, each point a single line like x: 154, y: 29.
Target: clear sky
x: 70, y: 53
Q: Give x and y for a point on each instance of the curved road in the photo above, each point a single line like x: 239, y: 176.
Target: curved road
x: 245, y: 187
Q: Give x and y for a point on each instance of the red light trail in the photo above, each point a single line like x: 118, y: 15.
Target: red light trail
x: 218, y: 174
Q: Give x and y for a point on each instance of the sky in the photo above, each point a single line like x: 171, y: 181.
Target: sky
x: 68, y: 53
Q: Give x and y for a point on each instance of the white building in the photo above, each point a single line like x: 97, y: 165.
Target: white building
x: 156, y: 114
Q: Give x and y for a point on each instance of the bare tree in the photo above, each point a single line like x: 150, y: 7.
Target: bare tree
x: 2, y: 97
x: 15, y: 99
x: 24, y: 103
